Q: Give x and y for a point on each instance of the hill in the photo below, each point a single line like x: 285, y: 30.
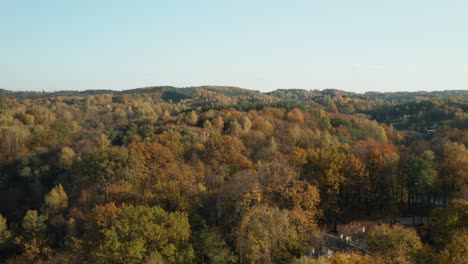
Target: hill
x: 216, y: 174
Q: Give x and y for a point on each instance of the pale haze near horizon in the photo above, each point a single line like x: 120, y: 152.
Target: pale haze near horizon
x: 262, y: 45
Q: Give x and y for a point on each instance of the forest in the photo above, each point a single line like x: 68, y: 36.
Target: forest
x: 218, y: 174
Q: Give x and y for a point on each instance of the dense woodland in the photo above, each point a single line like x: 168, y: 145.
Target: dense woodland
x: 228, y: 175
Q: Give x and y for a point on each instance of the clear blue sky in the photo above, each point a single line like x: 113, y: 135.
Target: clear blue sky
x: 263, y: 45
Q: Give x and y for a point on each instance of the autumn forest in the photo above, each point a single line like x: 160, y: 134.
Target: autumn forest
x: 217, y: 174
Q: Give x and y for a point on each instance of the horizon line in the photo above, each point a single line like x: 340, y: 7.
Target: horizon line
x: 224, y: 86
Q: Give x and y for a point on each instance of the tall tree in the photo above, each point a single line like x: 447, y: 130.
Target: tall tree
x: 453, y: 168
x: 56, y: 200
x: 266, y: 235
x: 5, y: 234
x: 325, y: 170
x: 159, y: 236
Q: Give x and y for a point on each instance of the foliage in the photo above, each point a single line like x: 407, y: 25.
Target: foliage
x: 157, y: 236
x: 236, y: 174
x: 56, y: 200
x: 268, y: 235
x: 393, y: 242
x: 5, y: 234
x: 457, y: 250
x: 213, y: 249
x: 447, y: 223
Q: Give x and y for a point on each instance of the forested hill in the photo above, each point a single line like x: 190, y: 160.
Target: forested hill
x: 175, y: 93
x: 228, y: 175
x: 403, y: 110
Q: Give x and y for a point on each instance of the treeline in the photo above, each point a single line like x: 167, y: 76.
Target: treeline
x: 227, y: 175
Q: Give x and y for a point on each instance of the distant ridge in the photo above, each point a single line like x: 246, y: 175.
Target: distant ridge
x: 232, y: 91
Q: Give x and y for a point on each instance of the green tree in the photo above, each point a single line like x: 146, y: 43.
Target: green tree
x: 423, y: 175
x: 457, y: 250
x: 33, y: 224
x: 34, y: 240
x: 207, y: 124
x: 395, y: 243
x: 102, y: 168
x: 212, y: 249
x: 446, y: 222
x: 55, y: 203
x: 453, y: 168
x: 143, y: 234
x: 33, y: 171
x: 56, y: 200
x: 66, y: 158
x: 5, y: 234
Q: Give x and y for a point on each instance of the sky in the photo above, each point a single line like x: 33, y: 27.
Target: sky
x: 359, y: 45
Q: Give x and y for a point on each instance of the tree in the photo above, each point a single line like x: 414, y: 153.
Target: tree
x: 423, y: 175
x: 218, y: 122
x: 457, y: 250
x: 381, y: 160
x: 246, y: 123
x: 33, y: 224
x: 207, y: 124
x: 453, y: 168
x: 235, y: 198
x: 191, y: 118
x: 266, y: 236
x: 446, y: 223
x: 102, y: 168
x: 159, y: 236
x: 263, y: 125
x: 325, y: 170
x: 34, y: 240
x: 356, y: 185
x: 311, y: 260
x: 66, y: 158
x: 393, y: 242
x: 159, y: 178
x: 296, y: 115
x: 226, y: 155
x: 212, y: 248
x: 55, y: 203
x: 32, y: 170
x: 56, y: 200
x: 298, y: 156
x: 5, y: 234
x: 352, y: 258
x: 234, y: 128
